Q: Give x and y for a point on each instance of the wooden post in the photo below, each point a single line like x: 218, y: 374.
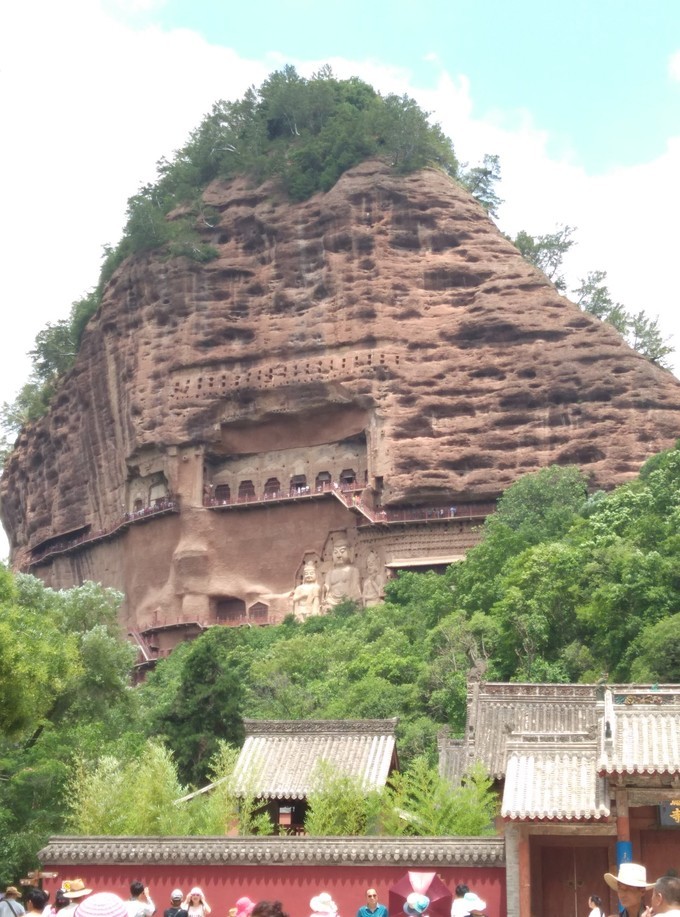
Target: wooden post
x: 524, y: 874
x: 622, y: 816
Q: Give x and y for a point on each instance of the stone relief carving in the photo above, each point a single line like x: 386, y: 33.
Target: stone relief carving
x: 342, y: 580
x: 324, y: 582
x: 307, y: 595
x: 373, y: 590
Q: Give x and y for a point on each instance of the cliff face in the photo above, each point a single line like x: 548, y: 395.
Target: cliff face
x: 382, y: 336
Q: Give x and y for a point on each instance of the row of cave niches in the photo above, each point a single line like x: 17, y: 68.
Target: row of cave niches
x: 232, y: 611
x: 308, y: 371
x: 273, y: 489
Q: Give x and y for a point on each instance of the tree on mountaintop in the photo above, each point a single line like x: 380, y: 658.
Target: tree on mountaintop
x: 641, y: 332
x: 302, y: 133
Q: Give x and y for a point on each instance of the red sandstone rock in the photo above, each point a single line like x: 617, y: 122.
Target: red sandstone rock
x: 385, y: 328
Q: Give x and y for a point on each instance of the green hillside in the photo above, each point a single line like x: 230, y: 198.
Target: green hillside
x: 565, y: 586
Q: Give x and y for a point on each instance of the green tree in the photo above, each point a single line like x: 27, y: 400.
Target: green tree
x: 593, y: 296
x: 339, y: 805
x: 547, y: 252
x: 136, y: 797
x: 208, y: 706
x: 424, y: 804
x: 640, y: 331
x: 481, y: 181
x: 657, y: 657
x: 646, y: 337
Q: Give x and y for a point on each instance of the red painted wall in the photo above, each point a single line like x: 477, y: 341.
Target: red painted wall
x: 292, y: 885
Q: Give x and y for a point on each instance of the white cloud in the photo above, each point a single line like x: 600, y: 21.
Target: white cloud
x: 674, y: 66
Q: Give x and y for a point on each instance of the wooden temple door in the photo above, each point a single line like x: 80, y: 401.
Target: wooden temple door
x: 568, y: 877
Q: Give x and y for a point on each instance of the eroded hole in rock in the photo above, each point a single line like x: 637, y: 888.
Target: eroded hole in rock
x: 416, y: 425
x: 511, y: 420
x: 225, y: 336
x: 562, y: 395
x: 488, y: 372
x: 405, y: 240
x: 338, y: 242
x: 443, y: 278
x: 580, y: 455
x: 442, y: 241
x: 472, y: 334
x: 469, y: 462
x: 521, y: 399
x: 364, y: 243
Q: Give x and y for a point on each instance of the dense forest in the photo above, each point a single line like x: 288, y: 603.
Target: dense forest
x: 566, y: 585
x: 301, y: 134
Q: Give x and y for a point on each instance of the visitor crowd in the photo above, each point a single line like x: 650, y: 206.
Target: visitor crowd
x: 74, y: 899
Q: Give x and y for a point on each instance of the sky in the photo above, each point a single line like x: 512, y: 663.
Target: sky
x: 580, y: 100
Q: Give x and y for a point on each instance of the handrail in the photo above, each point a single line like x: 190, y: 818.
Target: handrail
x: 169, y: 504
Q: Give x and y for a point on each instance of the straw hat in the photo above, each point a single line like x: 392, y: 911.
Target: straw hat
x: 75, y: 888
x: 631, y: 874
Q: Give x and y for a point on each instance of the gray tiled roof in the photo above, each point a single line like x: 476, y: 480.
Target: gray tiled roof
x: 498, y: 710
x: 554, y: 780
x: 556, y: 744
x: 645, y: 739
x: 424, y: 852
x: 452, y: 757
x: 279, y: 758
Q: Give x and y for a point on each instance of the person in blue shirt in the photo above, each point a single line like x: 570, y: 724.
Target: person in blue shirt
x: 372, y: 908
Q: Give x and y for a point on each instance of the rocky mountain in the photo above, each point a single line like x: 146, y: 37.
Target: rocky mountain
x: 343, y: 392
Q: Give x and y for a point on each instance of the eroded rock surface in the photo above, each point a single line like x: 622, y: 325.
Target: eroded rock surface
x: 383, y: 337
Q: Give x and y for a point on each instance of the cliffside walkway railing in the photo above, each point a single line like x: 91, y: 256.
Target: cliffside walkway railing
x: 163, y: 507
x: 352, y: 497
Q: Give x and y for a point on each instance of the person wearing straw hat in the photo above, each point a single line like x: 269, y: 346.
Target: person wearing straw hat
x: 75, y: 891
x: 10, y: 906
x: 630, y: 884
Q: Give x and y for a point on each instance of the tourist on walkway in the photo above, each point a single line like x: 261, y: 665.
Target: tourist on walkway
x: 175, y: 909
x: 75, y: 891
x: 140, y: 903
x: 459, y: 907
x: 666, y: 896
x: 595, y: 905
x: 630, y: 884
x: 244, y: 907
x: 268, y: 909
x: 372, y: 908
x: 323, y: 906
x: 102, y: 904
x: 10, y: 906
x: 195, y: 904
